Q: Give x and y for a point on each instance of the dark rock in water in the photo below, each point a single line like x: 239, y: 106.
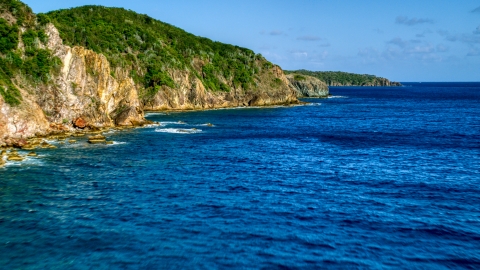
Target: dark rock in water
x: 80, y: 123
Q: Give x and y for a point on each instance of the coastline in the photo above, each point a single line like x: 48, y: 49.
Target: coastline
x: 66, y: 134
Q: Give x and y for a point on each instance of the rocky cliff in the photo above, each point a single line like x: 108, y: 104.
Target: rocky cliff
x: 307, y: 86
x: 87, y: 88
x: 272, y: 88
x: 84, y: 91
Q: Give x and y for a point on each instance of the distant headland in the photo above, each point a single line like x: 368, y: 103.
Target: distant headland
x: 338, y: 78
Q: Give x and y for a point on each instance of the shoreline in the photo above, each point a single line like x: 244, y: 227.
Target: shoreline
x: 66, y: 134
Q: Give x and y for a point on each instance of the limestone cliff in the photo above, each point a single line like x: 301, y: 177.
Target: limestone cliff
x: 308, y: 86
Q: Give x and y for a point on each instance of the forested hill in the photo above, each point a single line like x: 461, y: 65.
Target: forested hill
x: 96, y: 67
x: 338, y: 78
x: 150, y: 48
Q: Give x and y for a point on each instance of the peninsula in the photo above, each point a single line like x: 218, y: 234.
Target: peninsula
x: 94, y: 67
x: 338, y: 78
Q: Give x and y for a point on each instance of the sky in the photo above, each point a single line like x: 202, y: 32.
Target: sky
x: 406, y: 41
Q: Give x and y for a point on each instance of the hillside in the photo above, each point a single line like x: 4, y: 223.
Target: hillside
x: 94, y: 67
x: 338, y: 78
x: 161, y: 57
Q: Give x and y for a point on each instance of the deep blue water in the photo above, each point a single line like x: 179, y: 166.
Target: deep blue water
x: 373, y: 178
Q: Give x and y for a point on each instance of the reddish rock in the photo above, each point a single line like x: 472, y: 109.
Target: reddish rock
x: 19, y: 143
x: 80, y: 123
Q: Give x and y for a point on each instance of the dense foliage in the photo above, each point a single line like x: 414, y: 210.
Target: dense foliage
x: 30, y: 61
x: 333, y: 78
x: 152, y: 49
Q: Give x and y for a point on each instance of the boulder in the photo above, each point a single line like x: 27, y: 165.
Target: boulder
x: 80, y: 123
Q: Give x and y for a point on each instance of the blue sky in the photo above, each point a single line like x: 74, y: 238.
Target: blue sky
x: 407, y: 40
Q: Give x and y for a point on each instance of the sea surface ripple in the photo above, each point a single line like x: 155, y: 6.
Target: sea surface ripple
x: 373, y: 178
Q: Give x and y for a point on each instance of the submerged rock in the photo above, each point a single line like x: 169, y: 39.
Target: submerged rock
x: 96, y: 139
x: 15, y: 158
x: 32, y: 154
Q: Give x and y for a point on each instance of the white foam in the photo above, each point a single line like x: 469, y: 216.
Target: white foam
x: 154, y: 113
x: 178, y: 130
x: 152, y: 125
x: 116, y: 143
x: 337, y: 97
x: 172, y: 123
x: 27, y: 161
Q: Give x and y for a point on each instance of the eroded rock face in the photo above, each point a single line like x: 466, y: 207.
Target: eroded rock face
x: 86, y: 88
x: 85, y: 92
x: 22, y: 121
x: 271, y: 88
x: 307, y: 86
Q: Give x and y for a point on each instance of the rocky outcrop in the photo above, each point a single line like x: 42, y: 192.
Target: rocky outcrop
x: 271, y: 88
x: 84, y: 92
x: 87, y: 88
x: 83, y: 88
x: 307, y: 86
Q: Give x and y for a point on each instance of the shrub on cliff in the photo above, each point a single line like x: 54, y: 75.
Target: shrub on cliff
x: 150, y: 47
x: 30, y: 63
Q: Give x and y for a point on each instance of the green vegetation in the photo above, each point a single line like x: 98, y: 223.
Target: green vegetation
x: 151, y: 49
x: 333, y: 78
x: 297, y: 77
x: 31, y: 63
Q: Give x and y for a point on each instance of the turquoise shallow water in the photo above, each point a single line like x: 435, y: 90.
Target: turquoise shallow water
x: 372, y: 178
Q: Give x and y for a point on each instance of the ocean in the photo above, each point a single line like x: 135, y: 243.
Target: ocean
x: 371, y: 178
